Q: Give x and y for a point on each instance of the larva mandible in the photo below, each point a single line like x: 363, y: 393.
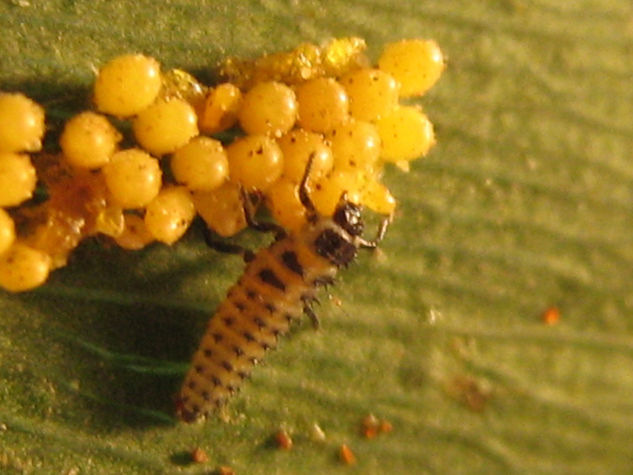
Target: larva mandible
x: 278, y: 284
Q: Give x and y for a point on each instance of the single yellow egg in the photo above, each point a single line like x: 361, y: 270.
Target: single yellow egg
x: 255, y: 161
x: 202, y: 164
x: 127, y: 84
x: 18, y: 178
x: 133, y: 178
x: 23, y: 268
x: 168, y: 216
x: 268, y: 108
x: 416, y: 64
x: 165, y: 126
x: 89, y: 140
x: 21, y: 123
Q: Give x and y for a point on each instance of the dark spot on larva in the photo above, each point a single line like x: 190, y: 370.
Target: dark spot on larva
x: 217, y: 337
x: 207, y: 353
x: 216, y: 381
x: 269, y: 277
x: 227, y: 366
x: 264, y: 345
x: 229, y: 321
x: 206, y: 396
x: 232, y: 389
x: 248, y: 336
x: 242, y: 374
x: 195, y: 409
x: 289, y: 317
x: 270, y: 307
x: 241, y: 306
x: 260, y: 323
x: 253, y: 360
x: 199, y: 369
x: 191, y: 385
x: 291, y: 261
x: 238, y: 351
x: 251, y: 294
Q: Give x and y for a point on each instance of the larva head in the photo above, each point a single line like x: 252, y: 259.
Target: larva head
x: 348, y: 216
x: 337, y: 242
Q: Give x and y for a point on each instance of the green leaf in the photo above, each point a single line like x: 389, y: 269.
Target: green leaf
x: 524, y: 204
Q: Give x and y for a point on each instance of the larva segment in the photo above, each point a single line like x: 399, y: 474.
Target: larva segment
x: 257, y: 311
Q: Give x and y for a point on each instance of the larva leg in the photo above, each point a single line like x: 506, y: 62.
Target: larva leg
x: 382, y: 229
x: 316, y: 323
x: 226, y: 247
x: 264, y: 227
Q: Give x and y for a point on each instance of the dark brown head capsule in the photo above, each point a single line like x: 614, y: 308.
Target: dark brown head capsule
x: 338, y: 242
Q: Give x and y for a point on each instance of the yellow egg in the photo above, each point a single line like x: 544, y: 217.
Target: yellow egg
x: 377, y: 197
x: 405, y: 134
x: 416, y: 64
x: 23, y: 268
x: 168, y: 216
x: 21, y: 123
x: 127, y: 84
x: 323, y: 104
x: 255, y: 161
x: 328, y: 192
x: 372, y: 93
x: 221, y: 108
x: 17, y: 178
x: 268, y: 108
x: 221, y: 209
x: 202, y: 164
x: 7, y: 231
x: 282, y: 198
x: 89, y: 140
x: 165, y: 126
x: 355, y: 146
x: 133, y: 178
x: 297, y: 147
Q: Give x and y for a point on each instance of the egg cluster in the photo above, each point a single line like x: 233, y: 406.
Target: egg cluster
x: 182, y: 148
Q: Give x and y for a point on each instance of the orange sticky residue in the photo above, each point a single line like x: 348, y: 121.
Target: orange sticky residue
x: 371, y: 426
x: 347, y: 456
x: 199, y: 456
x: 551, y: 315
x: 283, y: 439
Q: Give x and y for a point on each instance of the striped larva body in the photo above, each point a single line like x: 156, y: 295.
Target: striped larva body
x: 278, y: 284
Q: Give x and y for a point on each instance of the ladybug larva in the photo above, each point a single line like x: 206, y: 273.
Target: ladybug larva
x: 278, y: 285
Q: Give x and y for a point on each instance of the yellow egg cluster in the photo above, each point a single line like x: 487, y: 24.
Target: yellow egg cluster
x: 192, y: 148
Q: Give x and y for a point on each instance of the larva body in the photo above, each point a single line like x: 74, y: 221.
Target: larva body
x: 277, y: 284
